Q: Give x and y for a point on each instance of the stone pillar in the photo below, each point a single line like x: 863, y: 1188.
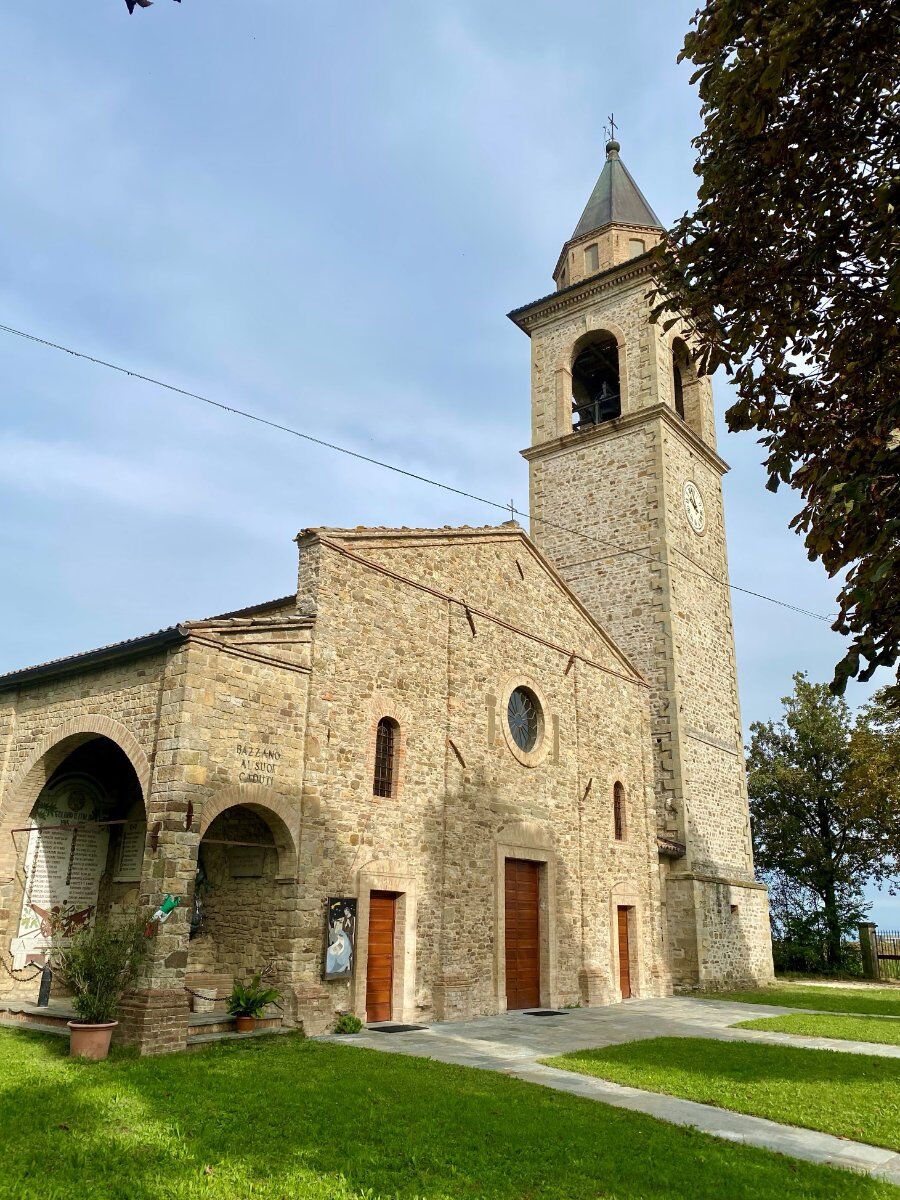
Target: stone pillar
x: 868, y: 947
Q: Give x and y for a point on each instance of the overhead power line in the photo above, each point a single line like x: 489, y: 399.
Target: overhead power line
x: 617, y: 552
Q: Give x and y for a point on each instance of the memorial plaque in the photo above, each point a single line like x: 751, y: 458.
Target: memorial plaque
x: 131, y: 853
x: 246, y: 862
x: 63, y: 866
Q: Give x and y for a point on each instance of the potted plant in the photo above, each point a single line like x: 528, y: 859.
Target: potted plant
x: 98, y: 964
x: 248, y: 1001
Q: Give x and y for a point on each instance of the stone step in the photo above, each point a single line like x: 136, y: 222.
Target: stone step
x: 202, y: 1027
x: 56, y: 1015
x: 32, y: 1026
x: 206, y: 1039
x: 223, y: 1023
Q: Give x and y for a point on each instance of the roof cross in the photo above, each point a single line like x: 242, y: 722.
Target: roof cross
x: 611, y: 127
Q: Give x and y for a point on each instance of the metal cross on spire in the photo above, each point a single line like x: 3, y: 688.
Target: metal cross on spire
x: 610, y: 127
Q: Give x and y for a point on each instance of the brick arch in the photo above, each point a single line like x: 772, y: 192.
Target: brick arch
x: 24, y: 788
x: 597, y: 325
x: 274, y: 810
x: 384, y: 705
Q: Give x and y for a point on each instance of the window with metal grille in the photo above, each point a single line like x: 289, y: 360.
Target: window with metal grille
x: 385, y: 757
x: 619, y: 812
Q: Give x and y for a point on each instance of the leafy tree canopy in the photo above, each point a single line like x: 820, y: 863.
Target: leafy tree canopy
x: 787, y: 270
x: 824, y: 800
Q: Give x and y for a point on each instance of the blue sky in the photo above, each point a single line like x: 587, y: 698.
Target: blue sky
x: 322, y: 212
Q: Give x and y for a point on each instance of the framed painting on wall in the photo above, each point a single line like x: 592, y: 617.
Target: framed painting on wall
x: 340, y: 937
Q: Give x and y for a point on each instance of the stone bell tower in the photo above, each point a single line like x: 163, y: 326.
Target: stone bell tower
x: 626, y: 501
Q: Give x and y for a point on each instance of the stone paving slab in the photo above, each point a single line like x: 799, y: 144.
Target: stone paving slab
x: 512, y: 1043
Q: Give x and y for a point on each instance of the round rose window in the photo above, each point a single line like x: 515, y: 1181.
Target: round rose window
x: 524, y: 716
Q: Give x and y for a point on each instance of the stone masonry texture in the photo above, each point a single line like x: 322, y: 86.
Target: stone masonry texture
x: 608, y: 510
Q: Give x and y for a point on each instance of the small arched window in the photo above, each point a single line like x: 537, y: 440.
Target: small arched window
x: 679, y: 391
x: 619, y: 812
x: 683, y: 374
x: 386, y: 742
x: 596, y: 392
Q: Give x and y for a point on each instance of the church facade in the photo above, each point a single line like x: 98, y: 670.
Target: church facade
x: 456, y: 771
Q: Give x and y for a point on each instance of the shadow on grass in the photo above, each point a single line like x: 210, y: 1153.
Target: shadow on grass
x: 288, y: 1118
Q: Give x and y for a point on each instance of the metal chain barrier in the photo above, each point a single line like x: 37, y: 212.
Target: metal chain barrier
x: 12, y: 972
x: 264, y: 973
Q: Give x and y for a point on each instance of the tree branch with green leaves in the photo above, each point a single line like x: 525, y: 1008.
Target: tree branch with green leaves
x: 787, y: 271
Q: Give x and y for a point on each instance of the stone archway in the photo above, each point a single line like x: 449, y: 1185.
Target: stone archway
x: 20, y: 794
x: 242, y: 905
x: 274, y: 811
x: 72, y: 837
x: 595, y: 328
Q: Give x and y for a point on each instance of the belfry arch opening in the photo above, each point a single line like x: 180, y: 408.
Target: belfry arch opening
x: 685, y: 385
x: 80, y: 854
x: 596, y: 386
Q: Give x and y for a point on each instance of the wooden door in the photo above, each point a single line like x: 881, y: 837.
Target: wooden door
x: 523, y: 934
x: 380, y: 966
x: 624, y: 953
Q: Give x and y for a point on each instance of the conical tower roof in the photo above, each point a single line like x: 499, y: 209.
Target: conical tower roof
x: 616, y: 199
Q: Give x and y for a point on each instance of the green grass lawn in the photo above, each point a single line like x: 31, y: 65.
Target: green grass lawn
x: 878, y: 1002
x: 284, y: 1119
x: 852, y: 1029
x: 851, y: 1095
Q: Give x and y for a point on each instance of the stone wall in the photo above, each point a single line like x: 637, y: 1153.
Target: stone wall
x: 213, y: 722
x: 434, y: 629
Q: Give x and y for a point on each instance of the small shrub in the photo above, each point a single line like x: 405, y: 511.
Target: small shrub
x: 347, y: 1023
x: 99, y: 963
x: 250, y: 999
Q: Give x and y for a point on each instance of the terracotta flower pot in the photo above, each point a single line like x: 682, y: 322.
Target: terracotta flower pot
x: 90, y: 1041
x: 245, y: 1024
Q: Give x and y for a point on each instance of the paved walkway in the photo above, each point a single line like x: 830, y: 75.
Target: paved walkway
x: 513, y: 1042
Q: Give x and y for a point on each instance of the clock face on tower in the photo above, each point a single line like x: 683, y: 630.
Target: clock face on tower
x: 693, y: 506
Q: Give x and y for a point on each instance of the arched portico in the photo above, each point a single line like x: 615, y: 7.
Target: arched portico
x: 242, y: 914
x: 73, y: 834
x: 44, y: 760
x: 276, y: 813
